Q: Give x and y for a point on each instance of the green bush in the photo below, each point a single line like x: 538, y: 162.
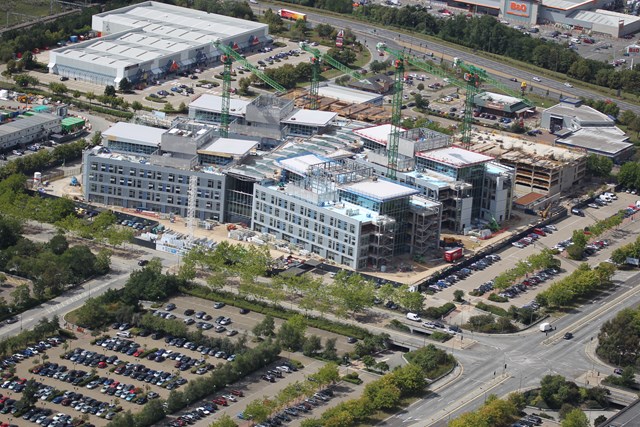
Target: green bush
x: 353, y: 378
x: 440, y: 336
x: 439, y: 312
x: 497, y: 298
x: 493, y: 309
x: 399, y: 326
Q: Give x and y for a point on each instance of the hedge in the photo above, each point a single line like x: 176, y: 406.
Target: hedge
x: 276, y: 311
x: 493, y: 309
x: 439, y: 312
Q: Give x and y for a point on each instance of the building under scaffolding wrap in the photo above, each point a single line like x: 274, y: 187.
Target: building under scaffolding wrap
x: 340, y: 211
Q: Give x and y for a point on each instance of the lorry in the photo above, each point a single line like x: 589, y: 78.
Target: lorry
x: 453, y: 254
x: 292, y: 15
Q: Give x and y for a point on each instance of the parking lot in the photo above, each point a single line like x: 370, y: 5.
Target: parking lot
x: 512, y: 254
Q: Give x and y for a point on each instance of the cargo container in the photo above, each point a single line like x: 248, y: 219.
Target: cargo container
x: 453, y: 254
x: 290, y: 14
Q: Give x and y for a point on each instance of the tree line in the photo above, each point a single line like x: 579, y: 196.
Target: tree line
x: 619, y: 338
x: 51, y: 267
x: 582, y: 282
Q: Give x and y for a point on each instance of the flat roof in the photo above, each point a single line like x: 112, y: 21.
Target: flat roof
x: 311, y: 117
x: 213, y: 103
x: 604, y: 17
x: 229, y: 147
x: 605, y: 140
x: 380, y: 190
x: 144, y: 135
x: 527, y: 199
x: 300, y: 164
x: 347, y: 94
x: 379, y: 134
x: 581, y: 112
x: 22, y: 122
x: 455, y: 156
x: 565, y: 4
x: 499, y: 98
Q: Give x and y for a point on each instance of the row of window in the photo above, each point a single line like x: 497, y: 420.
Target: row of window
x: 149, y: 174
x: 145, y: 195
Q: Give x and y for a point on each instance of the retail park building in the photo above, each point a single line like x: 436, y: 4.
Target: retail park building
x: 589, y: 16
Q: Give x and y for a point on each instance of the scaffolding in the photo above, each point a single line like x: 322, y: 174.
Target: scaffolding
x: 424, y: 228
x: 382, y: 241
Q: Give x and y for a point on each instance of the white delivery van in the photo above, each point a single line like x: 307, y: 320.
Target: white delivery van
x: 414, y: 317
x: 124, y: 334
x: 545, y: 327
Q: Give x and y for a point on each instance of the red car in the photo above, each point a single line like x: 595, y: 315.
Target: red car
x: 102, y: 365
x: 238, y: 393
x: 220, y: 401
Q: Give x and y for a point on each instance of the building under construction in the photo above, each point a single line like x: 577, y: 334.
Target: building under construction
x: 339, y: 210
x: 540, y: 168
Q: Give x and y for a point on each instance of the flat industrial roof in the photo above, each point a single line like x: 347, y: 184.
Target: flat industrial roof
x: 311, y: 117
x: 213, y: 103
x: 348, y: 94
x: 455, y: 156
x: 565, y: 4
x: 229, y: 147
x: 499, y: 98
x: 379, y: 134
x: 604, y: 17
x: 582, y: 112
x: 25, y: 122
x: 380, y: 190
x: 144, y: 135
x: 605, y: 140
x: 300, y: 164
x: 180, y: 22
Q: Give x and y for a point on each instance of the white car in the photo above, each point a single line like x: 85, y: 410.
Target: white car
x: 536, y: 79
x: 567, y: 84
x: 230, y: 397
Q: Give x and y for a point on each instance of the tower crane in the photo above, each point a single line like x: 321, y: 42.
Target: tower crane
x: 317, y: 59
x: 227, y: 59
x: 468, y: 77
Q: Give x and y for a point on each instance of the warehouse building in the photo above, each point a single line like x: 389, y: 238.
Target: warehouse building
x: 586, y: 129
x: 501, y: 105
x: 27, y: 129
x: 586, y: 16
x: 148, y: 41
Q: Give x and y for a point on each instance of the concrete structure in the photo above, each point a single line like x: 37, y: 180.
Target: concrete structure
x: 24, y: 130
x: 148, y: 41
x: 539, y: 168
x: 340, y: 211
x: 380, y: 84
x: 349, y: 95
x: 584, y: 128
x: 582, y: 15
x: 268, y: 117
x: 158, y: 181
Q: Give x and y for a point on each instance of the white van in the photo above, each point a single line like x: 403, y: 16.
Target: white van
x: 605, y: 198
x: 124, y: 334
x: 414, y: 317
x: 611, y: 195
x: 545, y: 327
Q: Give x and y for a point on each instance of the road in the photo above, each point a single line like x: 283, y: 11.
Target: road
x: 370, y: 35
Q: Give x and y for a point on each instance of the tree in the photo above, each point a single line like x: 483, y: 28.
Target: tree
x: 599, y: 421
x: 575, y: 418
x: 378, y: 66
x: 125, y: 85
x: 182, y: 108
x: 421, y: 102
x: 627, y: 117
x: 291, y: 333
x: 28, y: 60
x: 266, y: 328
x: 324, y: 30
x: 243, y: 86
x: 58, y: 244
x: 383, y: 394
x: 311, y: 346
x: 175, y: 401
x: 21, y: 297
x: 109, y: 91
x: 330, y: 351
x: 328, y: 374
x: 352, y: 293
x: 58, y: 88
x: 90, y: 96
x: 25, y: 80
x: 599, y: 165
x: 346, y: 56
x: 136, y: 106
x: 258, y: 410
x: 224, y: 421
x: 458, y: 295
